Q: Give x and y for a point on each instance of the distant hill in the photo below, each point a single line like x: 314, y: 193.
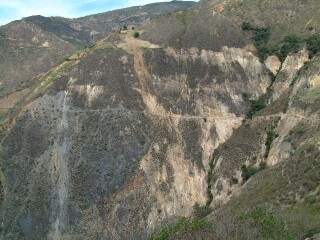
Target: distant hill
x: 35, y: 44
x: 91, y: 28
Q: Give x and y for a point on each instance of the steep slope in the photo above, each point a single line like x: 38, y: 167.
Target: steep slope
x: 121, y: 135
x: 32, y: 46
x: 130, y: 134
x: 198, y: 28
x: 283, y: 17
x: 285, y: 136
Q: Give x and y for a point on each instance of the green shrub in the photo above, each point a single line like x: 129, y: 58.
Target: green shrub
x: 313, y: 44
x: 261, y: 36
x: 256, y: 106
x: 249, y: 171
x: 136, y: 34
x: 311, y: 199
x: 246, y: 26
x: 291, y: 44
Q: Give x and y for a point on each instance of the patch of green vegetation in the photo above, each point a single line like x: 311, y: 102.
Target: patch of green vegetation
x: 271, y: 136
x: 246, y: 26
x: 291, y: 44
x: 313, y: 44
x: 280, y: 185
x: 183, y: 226
x: 268, y: 226
x: 55, y: 74
x: 249, y: 171
x: 260, y: 103
x: 261, y: 39
x: 304, y: 219
x: 210, y: 177
x: 136, y: 34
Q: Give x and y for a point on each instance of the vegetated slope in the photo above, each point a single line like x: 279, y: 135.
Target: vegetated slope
x: 198, y: 28
x: 34, y: 45
x: 300, y: 17
x: 121, y: 135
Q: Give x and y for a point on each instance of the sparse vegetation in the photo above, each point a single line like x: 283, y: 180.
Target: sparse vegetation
x: 313, y: 44
x: 270, y: 138
x: 183, y: 226
x: 55, y: 74
x: 268, y: 226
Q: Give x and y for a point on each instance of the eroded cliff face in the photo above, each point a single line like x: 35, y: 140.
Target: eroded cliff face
x: 284, y: 136
x: 119, y: 138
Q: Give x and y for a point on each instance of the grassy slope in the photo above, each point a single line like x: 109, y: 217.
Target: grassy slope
x: 284, y: 17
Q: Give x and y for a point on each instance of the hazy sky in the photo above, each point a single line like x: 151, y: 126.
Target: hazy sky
x: 16, y: 9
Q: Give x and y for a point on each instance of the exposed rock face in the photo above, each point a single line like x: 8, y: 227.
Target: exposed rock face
x: 123, y: 137
x: 273, y: 64
x: 292, y: 118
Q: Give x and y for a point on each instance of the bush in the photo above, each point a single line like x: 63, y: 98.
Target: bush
x: 246, y: 26
x: 136, y: 34
x: 261, y: 36
x: 248, y: 171
x: 256, y: 106
x: 291, y: 44
x: 313, y: 44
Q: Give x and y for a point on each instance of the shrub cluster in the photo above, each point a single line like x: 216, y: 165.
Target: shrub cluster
x: 313, y: 44
x: 136, y: 34
x: 249, y: 171
x: 291, y: 43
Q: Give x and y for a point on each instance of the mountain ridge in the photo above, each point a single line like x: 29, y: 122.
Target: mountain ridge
x: 169, y: 136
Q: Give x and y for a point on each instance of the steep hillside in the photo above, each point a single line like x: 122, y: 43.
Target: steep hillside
x: 197, y: 28
x: 32, y: 46
x: 179, y: 129
x: 284, y: 17
x: 122, y: 134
